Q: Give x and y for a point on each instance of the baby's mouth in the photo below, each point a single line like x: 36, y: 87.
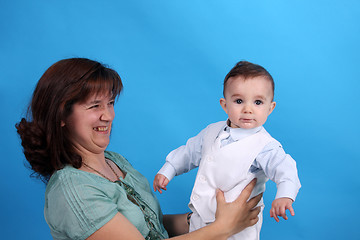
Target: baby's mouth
x: 247, y: 120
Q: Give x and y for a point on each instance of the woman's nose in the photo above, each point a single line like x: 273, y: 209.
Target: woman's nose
x: 107, y: 114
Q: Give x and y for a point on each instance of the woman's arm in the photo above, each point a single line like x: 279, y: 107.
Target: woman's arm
x: 230, y: 218
x: 176, y: 224
x: 117, y: 228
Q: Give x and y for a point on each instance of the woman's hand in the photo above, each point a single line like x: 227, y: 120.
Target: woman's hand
x: 240, y: 214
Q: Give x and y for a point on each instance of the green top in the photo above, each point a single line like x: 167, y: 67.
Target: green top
x: 77, y: 203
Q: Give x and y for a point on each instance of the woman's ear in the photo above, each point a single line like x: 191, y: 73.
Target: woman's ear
x: 62, y: 123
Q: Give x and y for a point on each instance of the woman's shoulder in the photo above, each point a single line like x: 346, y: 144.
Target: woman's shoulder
x: 115, y: 156
x: 64, y: 176
x: 77, y: 203
x: 70, y: 182
x: 126, y: 166
x: 119, y: 160
x: 72, y: 179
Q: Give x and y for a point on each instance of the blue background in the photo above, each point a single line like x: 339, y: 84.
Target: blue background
x: 172, y: 57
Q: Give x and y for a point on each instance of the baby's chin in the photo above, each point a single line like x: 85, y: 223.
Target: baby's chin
x: 244, y: 124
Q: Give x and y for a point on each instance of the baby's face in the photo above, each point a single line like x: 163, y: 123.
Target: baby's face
x: 248, y: 102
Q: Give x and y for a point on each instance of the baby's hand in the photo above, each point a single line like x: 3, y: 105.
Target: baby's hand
x: 279, y: 206
x: 160, y: 182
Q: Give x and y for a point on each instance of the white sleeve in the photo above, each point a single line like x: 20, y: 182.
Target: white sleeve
x: 184, y: 158
x: 280, y: 168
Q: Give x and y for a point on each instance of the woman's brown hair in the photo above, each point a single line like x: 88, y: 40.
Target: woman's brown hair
x: 46, y: 144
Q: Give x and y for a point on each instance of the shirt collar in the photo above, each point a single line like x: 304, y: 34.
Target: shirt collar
x: 238, y: 133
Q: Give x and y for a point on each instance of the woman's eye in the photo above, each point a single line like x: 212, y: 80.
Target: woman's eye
x: 112, y: 103
x: 94, y: 106
x: 238, y: 101
x: 258, y: 102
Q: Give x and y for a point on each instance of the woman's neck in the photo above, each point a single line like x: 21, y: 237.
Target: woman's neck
x: 98, y: 164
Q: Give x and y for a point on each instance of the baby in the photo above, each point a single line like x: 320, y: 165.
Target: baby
x: 231, y: 153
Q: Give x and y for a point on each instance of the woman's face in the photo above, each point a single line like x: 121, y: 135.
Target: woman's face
x: 90, y: 123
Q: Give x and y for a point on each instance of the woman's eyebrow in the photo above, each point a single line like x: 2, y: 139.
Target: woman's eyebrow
x: 94, y: 101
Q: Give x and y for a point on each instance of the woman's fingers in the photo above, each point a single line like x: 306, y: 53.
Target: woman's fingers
x: 246, y: 192
x: 254, y: 216
x: 255, y: 212
x: 254, y: 201
x: 240, y: 213
x: 220, y: 198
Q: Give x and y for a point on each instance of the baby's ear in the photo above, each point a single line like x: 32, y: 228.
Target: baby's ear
x: 223, y: 104
x: 272, y: 106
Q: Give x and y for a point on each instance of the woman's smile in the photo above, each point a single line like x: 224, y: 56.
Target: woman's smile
x: 101, y: 129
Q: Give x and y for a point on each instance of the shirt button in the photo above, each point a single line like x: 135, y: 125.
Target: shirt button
x: 195, y: 197
x: 202, y: 178
x: 209, y: 158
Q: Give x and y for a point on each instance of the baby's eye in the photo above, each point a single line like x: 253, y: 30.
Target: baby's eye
x: 112, y: 102
x: 238, y: 101
x: 258, y: 102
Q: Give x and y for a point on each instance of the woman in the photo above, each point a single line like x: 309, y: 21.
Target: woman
x: 92, y: 193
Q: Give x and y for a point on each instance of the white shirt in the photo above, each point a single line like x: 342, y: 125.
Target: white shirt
x: 276, y: 164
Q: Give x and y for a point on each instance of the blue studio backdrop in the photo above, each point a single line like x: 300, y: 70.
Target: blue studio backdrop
x: 172, y: 57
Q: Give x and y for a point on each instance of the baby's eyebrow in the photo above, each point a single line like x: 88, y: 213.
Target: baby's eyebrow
x: 260, y: 97
x: 236, y: 95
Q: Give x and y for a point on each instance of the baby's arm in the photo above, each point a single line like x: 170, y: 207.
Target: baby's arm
x: 160, y: 182
x: 279, y: 206
x: 179, y: 161
x: 281, y: 169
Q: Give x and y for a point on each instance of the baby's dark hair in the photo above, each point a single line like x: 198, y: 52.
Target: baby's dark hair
x: 46, y: 144
x: 248, y: 70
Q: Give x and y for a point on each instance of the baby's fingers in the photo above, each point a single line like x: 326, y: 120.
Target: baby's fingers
x: 282, y: 213
x: 291, y: 210
x: 157, y: 188
x: 274, y: 215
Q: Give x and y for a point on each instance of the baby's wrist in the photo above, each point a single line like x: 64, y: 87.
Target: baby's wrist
x: 285, y: 198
